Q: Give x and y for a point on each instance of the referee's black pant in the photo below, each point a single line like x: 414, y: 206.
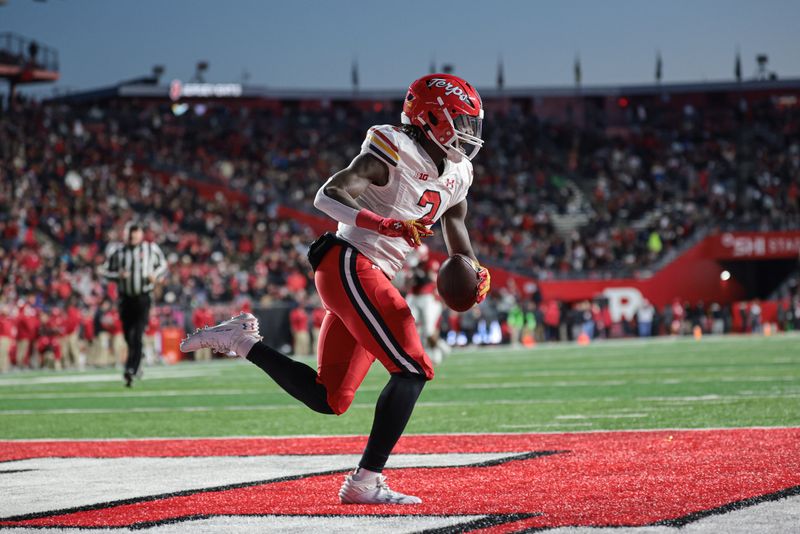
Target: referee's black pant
x: 134, y: 311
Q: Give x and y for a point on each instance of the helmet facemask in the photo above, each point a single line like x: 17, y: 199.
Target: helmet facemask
x: 468, y: 134
x: 467, y: 139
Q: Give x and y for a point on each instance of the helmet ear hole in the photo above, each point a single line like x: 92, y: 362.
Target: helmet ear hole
x: 432, y: 118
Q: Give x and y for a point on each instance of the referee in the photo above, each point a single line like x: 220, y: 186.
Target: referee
x: 135, y: 265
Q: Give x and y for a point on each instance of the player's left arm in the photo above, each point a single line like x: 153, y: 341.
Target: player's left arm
x: 456, y: 238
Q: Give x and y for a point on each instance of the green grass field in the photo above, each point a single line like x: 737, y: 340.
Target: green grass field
x: 666, y: 383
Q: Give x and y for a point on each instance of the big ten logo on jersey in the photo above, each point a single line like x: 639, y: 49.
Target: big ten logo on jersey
x: 423, y: 176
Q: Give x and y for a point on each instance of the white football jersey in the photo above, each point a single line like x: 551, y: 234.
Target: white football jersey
x: 414, y: 190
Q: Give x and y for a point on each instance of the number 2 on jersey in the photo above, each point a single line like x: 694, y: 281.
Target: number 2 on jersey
x: 432, y: 199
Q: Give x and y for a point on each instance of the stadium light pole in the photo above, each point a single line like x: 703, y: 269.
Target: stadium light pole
x: 200, y: 69
x: 737, y: 67
x: 158, y: 71
x: 501, y: 79
x: 659, y: 67
x: 354, y: 75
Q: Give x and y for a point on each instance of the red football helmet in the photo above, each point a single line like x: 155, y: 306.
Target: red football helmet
x: 450, y: 112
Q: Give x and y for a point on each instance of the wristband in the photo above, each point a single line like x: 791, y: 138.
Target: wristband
x: 369, y: 220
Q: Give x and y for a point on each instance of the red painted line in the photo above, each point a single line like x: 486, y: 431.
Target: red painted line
x: 421, y: 444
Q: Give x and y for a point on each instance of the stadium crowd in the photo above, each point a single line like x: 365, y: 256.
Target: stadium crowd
x: 71, y: 176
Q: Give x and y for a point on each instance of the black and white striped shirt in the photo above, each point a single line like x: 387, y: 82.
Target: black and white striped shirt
x: 138, y: 263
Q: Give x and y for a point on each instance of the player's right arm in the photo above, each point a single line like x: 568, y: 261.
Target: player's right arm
x: 337, y: 198
x: 346, y: 186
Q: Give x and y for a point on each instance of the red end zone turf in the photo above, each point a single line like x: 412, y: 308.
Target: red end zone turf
x: 609, y: 478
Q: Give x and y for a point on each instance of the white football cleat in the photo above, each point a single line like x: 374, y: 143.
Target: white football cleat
x: 372, y: 491
x: 224, y: 337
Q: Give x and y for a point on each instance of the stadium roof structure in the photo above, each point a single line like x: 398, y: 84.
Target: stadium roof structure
x: 149, y: 88
x: 24, y: 60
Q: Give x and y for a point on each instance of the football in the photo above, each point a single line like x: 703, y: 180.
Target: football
x: 457, y: 283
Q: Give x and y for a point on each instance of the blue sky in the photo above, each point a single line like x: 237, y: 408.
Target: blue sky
x: 311, y: 44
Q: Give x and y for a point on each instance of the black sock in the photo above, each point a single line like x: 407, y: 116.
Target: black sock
x: 392, y: 413
x: 298, y: 379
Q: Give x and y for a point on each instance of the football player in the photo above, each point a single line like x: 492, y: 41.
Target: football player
x: 405, y: 179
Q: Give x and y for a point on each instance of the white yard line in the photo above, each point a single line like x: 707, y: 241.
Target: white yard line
x: 134, y: 394
x: 20, y: 380
x: 378, y: 387
x: 548, y: 425
x: 603, y: 416
x: 671, y: 401
x: 263, y: 391
x: 423, y: 404
x: 636, y: 342
x: 432, y: 434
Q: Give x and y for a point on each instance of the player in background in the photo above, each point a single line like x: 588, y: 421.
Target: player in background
x: 8, y: 332
x: 151, y: 342
x: 424, y: 302
x: 202, y: 317
x: 405, y: 179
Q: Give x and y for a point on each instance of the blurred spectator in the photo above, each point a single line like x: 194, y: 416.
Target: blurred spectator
x: 552, y: 320
x: 298, y: 320
x: 755, y: 317
x: 644, y: 318
x: 8, y: 334
x: 201, y: 318
x: 106, y: 329
x: 152, y: 340
x: 49, y: 339
x: 717, y: 319
x: 317, y: 316
x: 71, y: 345
x: 516, y: 322
x: 27, y: 328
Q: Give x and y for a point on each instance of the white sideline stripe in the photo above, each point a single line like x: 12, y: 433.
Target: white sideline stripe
x: 516, y: 385
x: 106, y: 377
x: 135, y: 394
x: 670, y: 401
x: 549, y: 425
x: 365, y: 309
x: 604, y: 371
x: 591, y: 383
x: 431, y: 435
x: 273, y: 407
x: 633, y: 342
x: 252, y: 408
x: 604, y: 416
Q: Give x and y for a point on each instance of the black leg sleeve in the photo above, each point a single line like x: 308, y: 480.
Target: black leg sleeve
x: 297, y: 379
x: 392, y: 413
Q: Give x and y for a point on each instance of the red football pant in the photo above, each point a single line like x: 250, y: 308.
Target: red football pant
x: 366, y: 318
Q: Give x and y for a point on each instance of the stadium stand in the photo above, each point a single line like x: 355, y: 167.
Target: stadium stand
x: 552, y: 199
